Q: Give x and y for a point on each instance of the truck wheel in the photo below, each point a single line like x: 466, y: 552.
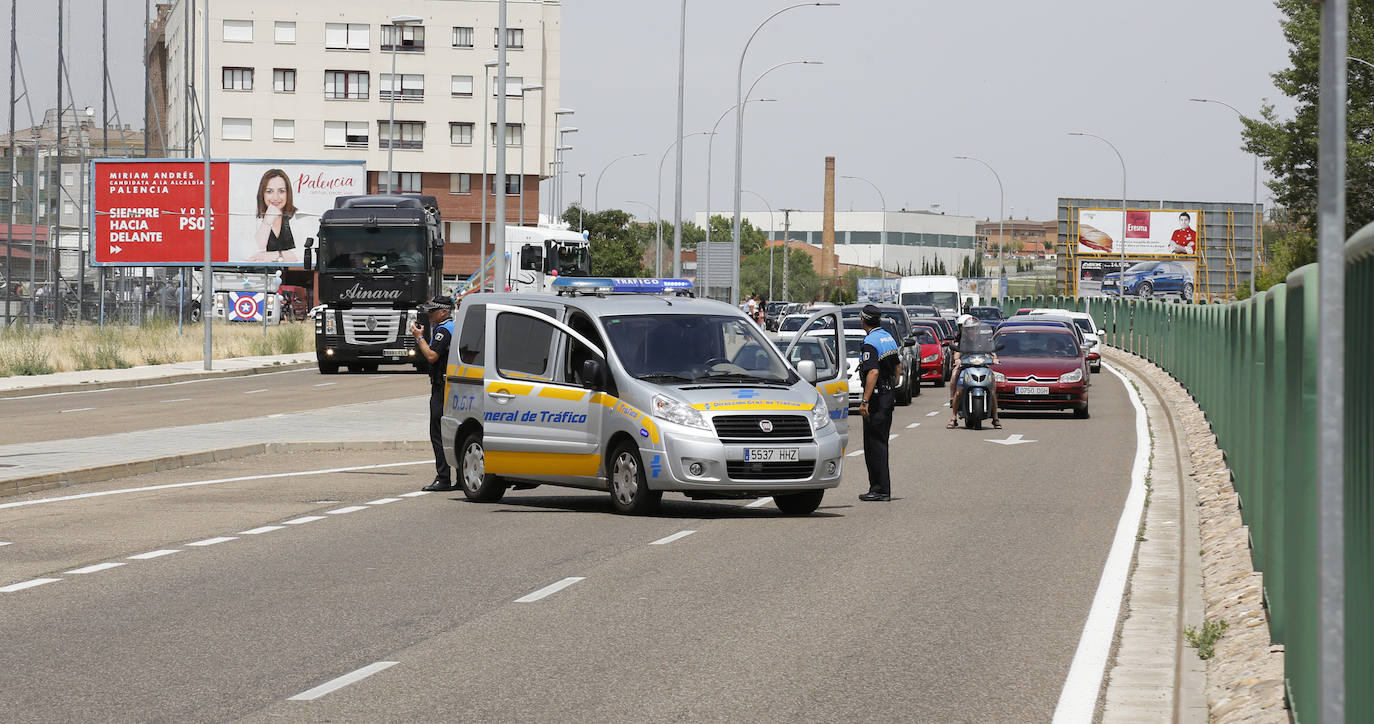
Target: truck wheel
x: 630, y: 493
x: 329, y: 368
x: 803, y: 503
x: 479, y: 486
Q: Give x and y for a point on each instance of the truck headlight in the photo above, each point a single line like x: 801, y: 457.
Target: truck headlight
x: 330, y: 325
x: 820, y: 414
x: 671, y: 410
x: 1075, y: 376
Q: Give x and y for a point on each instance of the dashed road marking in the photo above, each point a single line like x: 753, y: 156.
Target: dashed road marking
x: 892, y: 436
x: 342, y: 681
x: 303, y: 519
x: 324, y: 384
x: 27, y: 584
x: 415, y: 494
x: 213, y: 541
x: 5, y: 543
x: 263, y: 529
x: 759, y: 503
x: 913, y: 426
x: 96, y: 568
x: 549, y: 590
x: 383, y: 501
x: 179, y: 399
x: 76, y: 409
x: 349, y: 509
x: 154, y: 554
x: 669, y: 539
x: 932, y: 413
x: 254, y: 392
x: 854, y: 454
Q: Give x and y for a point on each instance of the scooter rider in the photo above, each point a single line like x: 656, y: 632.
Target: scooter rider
x: 878, y: 361
x: 435, y: 351
x: 968, y: 327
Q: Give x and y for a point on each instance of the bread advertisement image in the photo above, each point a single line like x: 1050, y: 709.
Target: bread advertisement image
x: 1094, y: 239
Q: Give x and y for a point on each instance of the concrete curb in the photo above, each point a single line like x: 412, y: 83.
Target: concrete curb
x: 98, y: 473
x: 41, y: 389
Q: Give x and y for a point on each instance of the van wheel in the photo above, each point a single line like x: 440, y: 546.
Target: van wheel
x: 630, y: 493
x: 803, y: 503
x: 479, y: 486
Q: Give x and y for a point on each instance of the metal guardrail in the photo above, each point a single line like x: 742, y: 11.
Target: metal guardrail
x: 1252, y: 368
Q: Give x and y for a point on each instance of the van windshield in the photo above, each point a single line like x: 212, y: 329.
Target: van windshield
x: 680, y: 348
x: 939, y: 300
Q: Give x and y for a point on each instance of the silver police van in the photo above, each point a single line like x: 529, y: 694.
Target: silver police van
x: 626, y: 385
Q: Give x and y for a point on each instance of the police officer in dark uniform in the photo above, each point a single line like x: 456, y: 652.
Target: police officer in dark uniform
x: 878, y: 361
x: 435, y: 351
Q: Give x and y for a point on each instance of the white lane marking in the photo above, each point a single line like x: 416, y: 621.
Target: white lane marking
x: 669, y: 539
x: 913, y: 426
x: 277, y: 414
x: 1011, y: 440
x: 27, y: 584
x: 263, y: 529
x: 759, y: 503
x: 349, y: 509
x: 932, y: 413
x: 75, y: 409
x: 254, y: 392
x: 415, y: 494
x: 854, y: 454
x: 305, y: 519
x: 96, y: 568
x: 550, y: 589
x: 160, y: 384
x: 342, y: 681
x: 324, y: 384
x: 264, y: 476
x: 213, y: 541
x: 383, y: 501
x: 179, y: 399
x: 153, y: 554
x: 1078, y: 698
x: 892, y: 436
x: 5, y: 543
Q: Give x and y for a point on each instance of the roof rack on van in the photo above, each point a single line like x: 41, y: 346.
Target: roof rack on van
x: 601, y: 286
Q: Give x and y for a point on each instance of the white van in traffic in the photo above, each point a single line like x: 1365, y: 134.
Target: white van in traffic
x: 615, y: 384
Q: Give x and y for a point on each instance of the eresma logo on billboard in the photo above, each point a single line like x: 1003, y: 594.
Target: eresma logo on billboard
x: 150, y: 213
x: 1137, y: 224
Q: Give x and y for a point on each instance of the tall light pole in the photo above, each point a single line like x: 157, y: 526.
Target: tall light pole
x: 710, y: 142
x: 883, y: 242
x: 658, y: 198
x: 524, y: 90
x: 562, y: 146
x: 1254, y: 196
x: 1001, y: 214
x: 499, y: 237
x: 557, y: 170
x: 397, y: 22
x: 786, y: 250
x: 596, y: 191
x: 486, y: 182
x: 581, y: 206
x: 1121, y: 290
x: 677, y: 175
x: 739, y: 141
x: 771, y: 229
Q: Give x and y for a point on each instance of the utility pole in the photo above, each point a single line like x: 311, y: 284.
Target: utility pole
x: 14, y: 170
x: 786, y: 250
x: 499, y: 233
x: 677, y: 182
x: 57, y: 208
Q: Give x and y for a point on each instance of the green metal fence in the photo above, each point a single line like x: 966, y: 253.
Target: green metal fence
x: 1252, y: 368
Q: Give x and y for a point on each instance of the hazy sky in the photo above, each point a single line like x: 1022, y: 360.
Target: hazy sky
x: 905, y: 85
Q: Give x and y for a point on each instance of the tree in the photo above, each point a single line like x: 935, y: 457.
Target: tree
x: 616, y: 245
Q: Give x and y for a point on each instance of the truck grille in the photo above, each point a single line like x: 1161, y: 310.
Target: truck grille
x: 749, y: 428
x: 741, y: 470
x: 385, y: 323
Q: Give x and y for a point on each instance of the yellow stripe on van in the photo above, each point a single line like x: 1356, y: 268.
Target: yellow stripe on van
x: 510, y: 388
x: 603, y: 399
x: 562, y: 393
x: 834, y: 387
x: 532, y: 463
x: 472, y: 373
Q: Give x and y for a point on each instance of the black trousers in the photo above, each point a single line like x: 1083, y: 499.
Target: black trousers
x: 436, y: 438
x: 877, y: 426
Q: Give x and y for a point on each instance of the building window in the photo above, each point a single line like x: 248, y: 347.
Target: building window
x: 285, y: 32
x: 513, y: 134
x: 515, y: 37
x: 514, y: 86
x: 457, y: 232
x: 283, y: 129
x: 345, y: 134
x: 405, y: 38
x: 460, y: 183
x: 284, y: 80
x: 345, y: 84
x: 460, y: 86
x: 462, y: 37
x: 237, y: 79
x: 236, y: 129
x: 347, y: 36
x: 405, y: 182
x: 409, y: 134
x: 238, y: 31
x: 512, y: 184
x: 460, y: 134
x: 412, y: 87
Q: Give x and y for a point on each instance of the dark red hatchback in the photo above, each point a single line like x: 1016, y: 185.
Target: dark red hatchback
x: 1041, y: 368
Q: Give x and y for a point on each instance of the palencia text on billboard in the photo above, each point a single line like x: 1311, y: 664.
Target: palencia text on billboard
x: 1152, y: 232
x: 151, y: 212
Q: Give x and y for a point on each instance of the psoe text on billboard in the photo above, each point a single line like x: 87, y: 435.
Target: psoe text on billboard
x: 151, y: 212
x: 1148, y: 232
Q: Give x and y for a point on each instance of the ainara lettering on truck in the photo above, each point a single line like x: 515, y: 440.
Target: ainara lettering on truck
x: 543, y: 416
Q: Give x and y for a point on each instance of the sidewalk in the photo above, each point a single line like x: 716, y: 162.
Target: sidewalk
x: 29, y: 467
x: 19, y: 385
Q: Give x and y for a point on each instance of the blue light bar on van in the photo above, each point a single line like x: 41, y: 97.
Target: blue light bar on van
x: 620, y: 285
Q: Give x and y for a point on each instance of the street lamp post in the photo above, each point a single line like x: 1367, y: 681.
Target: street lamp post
x: 1001, y: 213
x: 562, y: 146
x: 739, y: 140
x: 770, y: 240
x: 1121, y: 290
x: 596, y: 191
x: 557, y: 170
x: 486, y: 183
x: 397, y: 22
x: 786, y: 250
x: 581, y: 206
x: 658, y: 198
x: 1254, y: 196
x: 524, y: 90
x: 883, y: 242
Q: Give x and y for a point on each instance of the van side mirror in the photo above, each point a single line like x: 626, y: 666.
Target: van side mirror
x: 807, y: 369
x: 592, y: 372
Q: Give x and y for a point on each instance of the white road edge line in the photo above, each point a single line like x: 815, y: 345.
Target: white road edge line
x: 342, y: 681
x: 415, y: 493
x: 217, y: 481
x: 97, y: 567
x: 759, y: 503
x: 854, y: 454
x: 261, y: 530
x: 303, y: 519
x: 27, y: 584
x: 1078, y: 698
x: 550, y: 589
x: 161, y: 384
x: 154, y: 554
x: 213, y: 541
x: 669, y: 539
x: 383, y: 501
x: 349, y: 509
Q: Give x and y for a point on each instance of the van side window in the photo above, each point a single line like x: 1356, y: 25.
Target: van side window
x: 577, y: 353
x: 473, y: 335
x: 523, y: 346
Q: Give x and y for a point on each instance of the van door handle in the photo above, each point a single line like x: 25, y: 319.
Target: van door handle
x: 502, y: 396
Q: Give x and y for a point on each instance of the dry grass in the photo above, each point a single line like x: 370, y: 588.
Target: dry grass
x: 44, y: 351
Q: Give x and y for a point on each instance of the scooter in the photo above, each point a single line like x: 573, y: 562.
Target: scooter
x: 978, y: 382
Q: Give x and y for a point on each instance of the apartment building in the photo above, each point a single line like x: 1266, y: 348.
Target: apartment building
x: 312, y: 79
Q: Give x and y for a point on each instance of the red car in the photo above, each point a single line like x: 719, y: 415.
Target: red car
x: 932, y: 357
x: 1041, y: 367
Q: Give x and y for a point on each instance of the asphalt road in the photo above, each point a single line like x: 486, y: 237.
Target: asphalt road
x: 101, y: 412
x: 961, y: 600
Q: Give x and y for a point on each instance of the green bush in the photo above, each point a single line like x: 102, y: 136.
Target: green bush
x: 291, y: 339
x: 20, y: 353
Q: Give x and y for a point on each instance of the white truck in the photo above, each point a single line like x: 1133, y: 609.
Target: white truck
x: 939, y: 291
x: 536, y: 256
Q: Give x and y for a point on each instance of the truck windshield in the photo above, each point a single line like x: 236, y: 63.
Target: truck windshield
x: 939, y: 300
x: 376, y: 251
x: 680, y: 348
x: 570, y: 260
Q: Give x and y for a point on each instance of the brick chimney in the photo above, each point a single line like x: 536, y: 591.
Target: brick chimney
x: 828, y: 223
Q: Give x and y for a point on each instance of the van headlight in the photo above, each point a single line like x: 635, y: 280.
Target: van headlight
x: 1075, y: 376
x: 671, y: 410
x: 820, y: 414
